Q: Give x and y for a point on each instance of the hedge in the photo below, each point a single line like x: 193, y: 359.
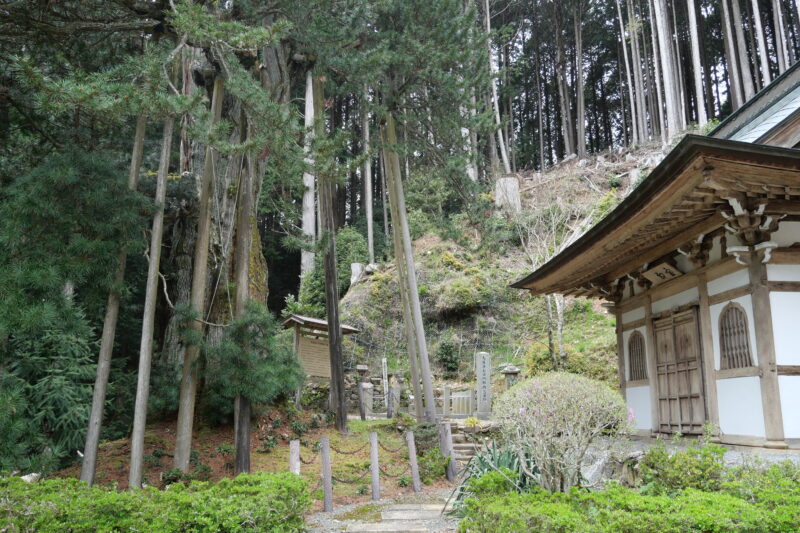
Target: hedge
x: 256, y: 502
x: 621, y: 510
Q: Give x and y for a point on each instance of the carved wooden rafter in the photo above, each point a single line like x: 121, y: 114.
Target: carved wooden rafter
x: 697, y: 250
x: 747, y: 220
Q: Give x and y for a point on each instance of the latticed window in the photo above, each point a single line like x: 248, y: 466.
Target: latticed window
x: 734, y: 339
x: 637, y: 360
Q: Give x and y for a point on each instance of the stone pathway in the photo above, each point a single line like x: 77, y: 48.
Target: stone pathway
x: 403, y: 518
x: 413, y: 513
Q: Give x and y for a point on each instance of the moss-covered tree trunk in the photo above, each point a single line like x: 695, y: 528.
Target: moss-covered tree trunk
x: 189, y: 374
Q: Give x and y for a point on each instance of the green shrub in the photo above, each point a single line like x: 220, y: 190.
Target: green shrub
x: 533, y: 416
x: 432, y: 466
x: 699, y: 467
x: 617, y: 509
x: 447, y: 357
x: 255, y: 502
x: 500, y: 462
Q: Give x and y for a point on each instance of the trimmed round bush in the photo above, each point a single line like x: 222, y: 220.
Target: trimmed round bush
x: 554, y: 418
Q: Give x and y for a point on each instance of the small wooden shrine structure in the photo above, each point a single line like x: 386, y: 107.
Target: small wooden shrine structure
x: 311, y: 343
x: 701, y: 266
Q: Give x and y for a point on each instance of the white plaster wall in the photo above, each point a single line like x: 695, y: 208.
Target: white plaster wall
x: 786, y: 328
x: 675, y: 300
x: 783, y: 272
x: 716, y: 310
x: 740, y: 278
x: 790, y: 405
x: 633, y: 315
x: 788, y: 233
x: 715, y: 253
x: 625, y: 336
x: 740, y: 411
x: 684, y: 264
x: 638, y: 399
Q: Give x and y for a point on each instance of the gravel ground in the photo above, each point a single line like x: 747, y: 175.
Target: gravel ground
x: 332, y: 522
x: 734, y: 455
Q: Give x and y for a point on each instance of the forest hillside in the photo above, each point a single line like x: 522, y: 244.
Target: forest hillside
x: 177, y: 174
x: 465, y: 269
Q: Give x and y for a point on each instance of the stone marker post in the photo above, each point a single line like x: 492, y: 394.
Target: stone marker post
x: 385, y: 380
x: 511, y: 373
x: 365, y: 390
x: 483, y: 372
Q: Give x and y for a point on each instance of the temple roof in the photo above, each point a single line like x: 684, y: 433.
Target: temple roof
x: 318, y: 324
x: 681, y: 198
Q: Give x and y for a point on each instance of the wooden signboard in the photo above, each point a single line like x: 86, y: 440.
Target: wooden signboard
x: 661, y: 273
x: 311, y: 343
x: 314, y: 356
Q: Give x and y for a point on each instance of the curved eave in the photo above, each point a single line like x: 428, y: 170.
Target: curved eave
x: 650, y: 194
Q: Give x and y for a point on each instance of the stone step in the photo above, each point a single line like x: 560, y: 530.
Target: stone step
x: 465, y: 446
x: 400, y: 526
x: 410, y: 515
x: 415, y: 507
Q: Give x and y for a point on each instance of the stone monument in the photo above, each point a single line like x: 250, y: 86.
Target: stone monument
x: 483, y: 372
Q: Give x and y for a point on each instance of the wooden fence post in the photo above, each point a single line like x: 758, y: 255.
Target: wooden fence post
x: 452, y: 469
x: 294, y: 457
x: 327, y: 480
x: 374, y: 466
x: 446, y: 446
x: 362, y: 411
x: 412, y: 458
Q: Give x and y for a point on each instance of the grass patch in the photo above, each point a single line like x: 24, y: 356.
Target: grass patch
x: 366, y: 513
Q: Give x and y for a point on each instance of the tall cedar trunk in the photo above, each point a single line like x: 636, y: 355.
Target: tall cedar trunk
x: 711, y: 109
x: 493, y: 96
x: 735, y: 87
x: 624, y: 127
x: 631, y: 100
x: 309, y: 222
x: 382, y: 167
x: 741, y: 46
x: 563, y: 89
x: 551, y: 346
x: 649, y: 67
x: 696, y: 65
x: 469, y: 148
x: 189, y: 373
x: 398, y: 206
x: 539, y: 115
x: 411, y: 339
x: 780, y: 37
x: 580, y: 108
x: 367, y: 175
x: 149, y: 315
x: 473, y: 136
x: 683, y: 105
x: 109, y: 329
x: 242, y: 280
x: 657, y: 69
x: 183, y: 235
x: 639, y: 92
x: 762, y: 45
x: 328, y: 224
x: 668, y: 66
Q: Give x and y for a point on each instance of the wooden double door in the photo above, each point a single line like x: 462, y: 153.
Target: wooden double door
x: 679, y: 370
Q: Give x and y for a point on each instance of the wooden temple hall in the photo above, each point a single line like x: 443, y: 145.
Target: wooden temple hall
x: 701, y: 265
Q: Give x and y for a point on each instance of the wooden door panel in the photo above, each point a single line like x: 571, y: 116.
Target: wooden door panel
x: 681, y: 405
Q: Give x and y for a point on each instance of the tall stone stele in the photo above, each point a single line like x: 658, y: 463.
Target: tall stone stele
x: 483, y: 389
